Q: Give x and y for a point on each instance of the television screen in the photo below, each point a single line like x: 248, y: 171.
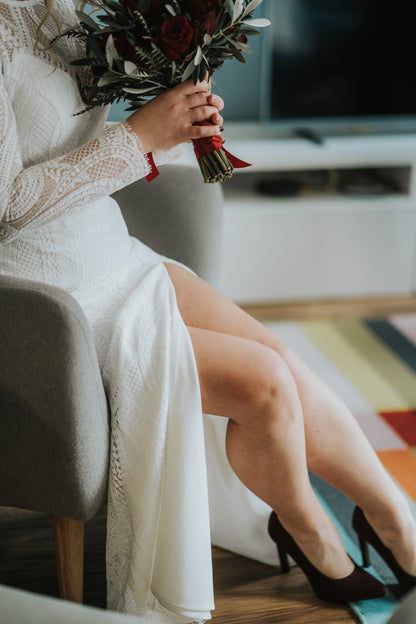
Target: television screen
x: 342, y: 58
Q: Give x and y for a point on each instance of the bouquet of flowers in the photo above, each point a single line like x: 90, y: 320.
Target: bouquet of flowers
x: 137, y: 49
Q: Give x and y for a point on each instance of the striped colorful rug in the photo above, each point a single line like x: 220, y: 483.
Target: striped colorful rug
x: 371, y: 364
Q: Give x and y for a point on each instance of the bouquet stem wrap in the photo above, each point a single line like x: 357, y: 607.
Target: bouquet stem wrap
x: 215, y: 162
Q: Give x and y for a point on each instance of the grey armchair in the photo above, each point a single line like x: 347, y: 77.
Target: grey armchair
x: 54, y: 424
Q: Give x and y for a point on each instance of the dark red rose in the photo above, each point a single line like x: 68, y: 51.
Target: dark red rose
x: 177, y: 37
x: 208, y: 22
x: 205, y: 12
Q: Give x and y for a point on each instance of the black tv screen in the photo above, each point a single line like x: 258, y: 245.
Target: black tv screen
x: 342, y: 58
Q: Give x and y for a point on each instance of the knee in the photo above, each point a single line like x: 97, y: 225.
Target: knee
x: 271, y: 389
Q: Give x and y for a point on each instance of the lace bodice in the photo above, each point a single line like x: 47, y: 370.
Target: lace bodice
x: 52, y: 161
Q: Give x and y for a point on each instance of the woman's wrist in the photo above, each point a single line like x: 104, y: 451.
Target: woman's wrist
x: 143, y: 141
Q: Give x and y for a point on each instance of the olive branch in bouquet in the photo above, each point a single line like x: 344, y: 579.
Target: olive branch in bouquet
x: 137, y: 49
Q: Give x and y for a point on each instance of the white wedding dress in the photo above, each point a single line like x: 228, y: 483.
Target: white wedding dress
x: 59, y: 225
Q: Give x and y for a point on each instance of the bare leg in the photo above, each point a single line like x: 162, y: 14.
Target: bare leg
x: 251, y: 385
x: 353, y: 468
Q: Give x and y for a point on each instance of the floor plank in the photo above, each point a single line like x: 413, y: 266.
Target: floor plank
x: 248, y: 592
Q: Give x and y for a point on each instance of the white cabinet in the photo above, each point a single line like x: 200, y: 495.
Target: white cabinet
x: 326, y: 244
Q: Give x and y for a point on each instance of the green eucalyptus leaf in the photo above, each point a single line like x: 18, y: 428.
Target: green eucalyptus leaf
x: 238, y: 10
x: 195, y: 75
x: 115, y: 6
x: 236, y: 52
x: 252, y: 6
x: 260, y: 22
x: 173, y: 72
x: 122, y: 19
x: 189, y: 70
x: 137, y: 91
x: 110, y: 51
x: 203, y: 68
x: 84, y: 18
x: 129, y: 67
x: 241, y: 46
x: 108, y: 19
x: 249, y: 32
x: 94, y: 47
x: 83, y: 61
x: 105, y: 80
x: 198, y: 56
x: 229, y: 6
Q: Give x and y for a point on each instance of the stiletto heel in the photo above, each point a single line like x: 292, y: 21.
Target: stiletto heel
x: 284, y: 560
x: 365, y: 552
x: 367, y: 534
x: 359, y: 585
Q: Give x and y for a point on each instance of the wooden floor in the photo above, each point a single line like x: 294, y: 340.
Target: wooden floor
x: 332, y: 308
x: 245, y: 591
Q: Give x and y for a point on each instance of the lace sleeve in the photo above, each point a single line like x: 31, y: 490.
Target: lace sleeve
x: 30, y: 197
x: 161, y: 157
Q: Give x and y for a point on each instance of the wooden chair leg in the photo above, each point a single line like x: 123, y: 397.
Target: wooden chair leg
x: 68, y: 541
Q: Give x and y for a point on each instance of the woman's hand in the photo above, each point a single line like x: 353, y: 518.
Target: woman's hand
x: 167, y: 120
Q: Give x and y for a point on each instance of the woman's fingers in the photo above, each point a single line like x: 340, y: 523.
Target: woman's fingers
x: 168, y: 119
x: 197, y: 99
x: 201, y: 132
x: 202, y: 113
x: 189, y: 88
x: 217, y: 119
x: 216, y: 100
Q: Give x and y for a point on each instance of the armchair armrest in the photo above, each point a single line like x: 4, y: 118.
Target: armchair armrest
x: 54, y: 430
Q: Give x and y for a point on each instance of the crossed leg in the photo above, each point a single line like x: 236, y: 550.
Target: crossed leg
x: 285, y: 420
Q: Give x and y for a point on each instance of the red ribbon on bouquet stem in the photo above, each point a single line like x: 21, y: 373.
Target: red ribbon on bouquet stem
x: 154, y: 171
x: 207, y: 145
x: 202, y: 147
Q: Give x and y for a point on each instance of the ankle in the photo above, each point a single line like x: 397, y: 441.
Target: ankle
x: 393, y: 526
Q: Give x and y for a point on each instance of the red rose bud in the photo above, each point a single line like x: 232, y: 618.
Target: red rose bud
x: 177, y: 37
x: 208, y: 22
x: 205, y: 12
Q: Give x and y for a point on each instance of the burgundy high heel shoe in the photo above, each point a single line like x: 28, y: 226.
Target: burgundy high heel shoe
x: 359, y: 585
x: 367, y: 535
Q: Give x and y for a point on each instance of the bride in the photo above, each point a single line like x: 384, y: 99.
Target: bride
x: 171, y: 348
